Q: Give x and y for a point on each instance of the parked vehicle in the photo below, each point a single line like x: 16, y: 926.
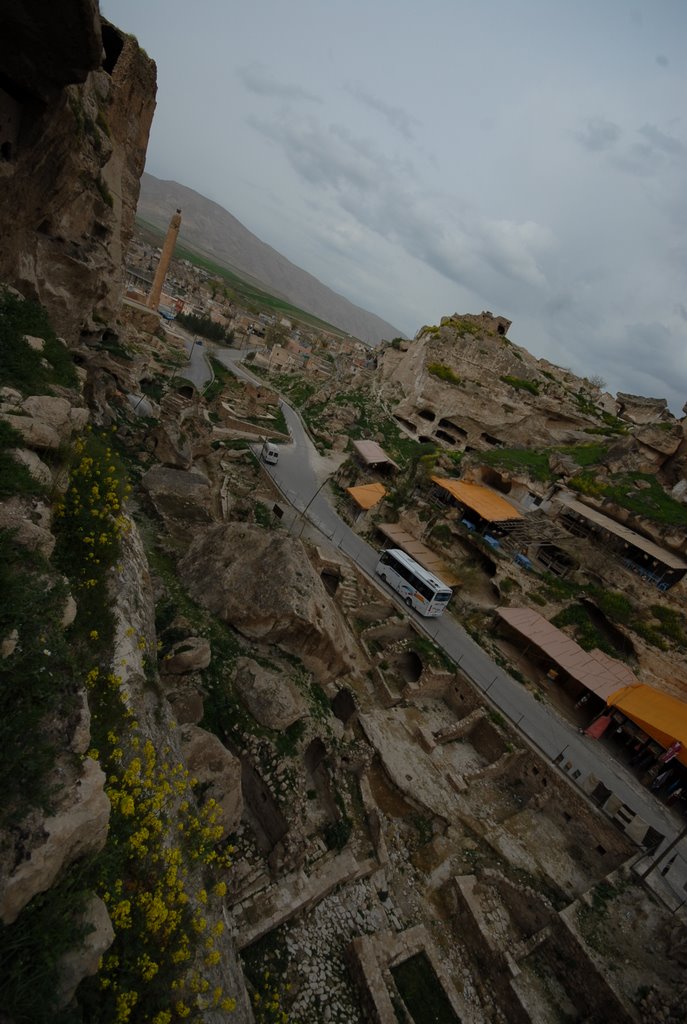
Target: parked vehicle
x: 269, y: 453
x: 419, y: 588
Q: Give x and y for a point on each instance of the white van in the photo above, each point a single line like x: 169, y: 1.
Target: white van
x: 270, y: 453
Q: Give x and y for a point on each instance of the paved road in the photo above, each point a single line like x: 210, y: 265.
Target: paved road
x: 197, y: 370
x: 296, y: 476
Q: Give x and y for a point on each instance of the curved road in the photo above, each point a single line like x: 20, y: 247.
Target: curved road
x: 297, y: 478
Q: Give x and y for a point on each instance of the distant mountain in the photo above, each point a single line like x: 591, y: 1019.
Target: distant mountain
x: 207, y: 226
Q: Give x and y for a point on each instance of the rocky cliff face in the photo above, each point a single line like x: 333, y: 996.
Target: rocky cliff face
x: 76, y: 103
x: 466, y: 386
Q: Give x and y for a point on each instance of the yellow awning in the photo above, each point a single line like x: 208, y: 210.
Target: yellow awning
x: 367, y: 495
x: 662, y: 717
x: 486, y: 503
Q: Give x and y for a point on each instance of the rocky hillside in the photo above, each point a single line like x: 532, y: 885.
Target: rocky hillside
x: 77, y: 108
x: 214, y: 231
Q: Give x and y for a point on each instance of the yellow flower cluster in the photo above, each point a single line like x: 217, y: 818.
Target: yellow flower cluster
x: 92, y: 508
x: 162, y: 946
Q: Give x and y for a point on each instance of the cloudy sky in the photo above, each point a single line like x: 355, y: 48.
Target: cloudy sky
x: 425, y: 158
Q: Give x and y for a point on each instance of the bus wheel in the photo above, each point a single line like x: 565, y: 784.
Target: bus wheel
x: 409, y: 602
x: 382, y: 576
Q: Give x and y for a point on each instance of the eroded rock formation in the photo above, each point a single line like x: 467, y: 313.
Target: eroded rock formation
x: 77, y: 98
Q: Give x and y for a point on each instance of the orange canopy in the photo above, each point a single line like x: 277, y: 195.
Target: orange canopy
x: 662, y: 717
x: 486, y: 503
x: 367, y: 495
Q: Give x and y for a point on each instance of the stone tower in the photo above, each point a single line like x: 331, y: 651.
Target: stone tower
x: 167, y: 251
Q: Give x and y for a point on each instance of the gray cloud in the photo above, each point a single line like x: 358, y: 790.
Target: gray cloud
x: 384, y: 195
x: 398, y: 118
x: 598, y: 134
x: 661, y: 141
x: 662, y: 60
x: 257, y: 79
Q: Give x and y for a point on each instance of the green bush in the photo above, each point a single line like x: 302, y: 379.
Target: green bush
x: 21, y: 366
x: 444, y: 373
x: 520, y: 384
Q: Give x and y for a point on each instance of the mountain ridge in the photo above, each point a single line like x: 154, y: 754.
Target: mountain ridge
x: 208, y: 225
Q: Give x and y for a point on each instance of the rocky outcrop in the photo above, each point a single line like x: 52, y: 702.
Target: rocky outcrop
x: 78, y: 828
x: 273, y: 699
x: 641, y: 410
x: 263, y: 584
x: 77, y: 97
x: 218, y: 773
x: 83, y: 961
x: 180, y: 496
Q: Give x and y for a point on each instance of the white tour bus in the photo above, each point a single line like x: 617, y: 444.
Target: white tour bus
x: 419, y: 589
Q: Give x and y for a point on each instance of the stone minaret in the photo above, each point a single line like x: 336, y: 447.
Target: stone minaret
x: 167, y: 251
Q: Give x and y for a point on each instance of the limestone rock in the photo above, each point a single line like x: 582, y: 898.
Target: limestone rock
x: 9, y: 644
x: 69, y: 613
x: 81, y: 737
x: 70, y: 184
x: 179, y: 495
x: 273, y: 700
x: 83, y: 962
x: 37, y: 344
x: 49, y: 409
x: 78, y: 828
x: 189, y: 655
x: 186, y: 699
x: 665, y: 438
x: 217, y: 770
x: 36, y: 433
x: 642, y: 410
x: 263, y: 584
x: 14, y: 515
x: 35, y: 465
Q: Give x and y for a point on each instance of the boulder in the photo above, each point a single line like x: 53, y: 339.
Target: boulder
x: 186, y: 701
x: 78, y: 828
x: 37, y: 344
x: 36, y: 433
x: 9, y: 644
x: 81, y: 737
x: 189, y: 655
x: 48, y: 409
x: 263, y: 584
x: 273, y: 699
x: 217, y: 771
x: 35, y: 465
x: 179, y: 495
x: 83, y: 961
x: 35, y: 537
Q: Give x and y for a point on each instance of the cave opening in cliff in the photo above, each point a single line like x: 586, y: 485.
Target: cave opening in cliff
x: 330, y: 581
x: 427, y: 414
x: 113, y: 44
x: 447, y: 424
x: 492, y: 478
x: 406, y: 423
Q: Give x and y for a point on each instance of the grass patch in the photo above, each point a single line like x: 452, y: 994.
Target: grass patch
x: 520, y: 384
x: 38, y: 685
x: 524, y: 460
x: 444, y: 373
x: 22, y: 367
x: 649, y: 501
x: 29, y: 965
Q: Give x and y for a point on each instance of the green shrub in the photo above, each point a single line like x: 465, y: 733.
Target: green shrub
x: 21, y: 366
x: 444, y: 373
x: 521, y: 384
